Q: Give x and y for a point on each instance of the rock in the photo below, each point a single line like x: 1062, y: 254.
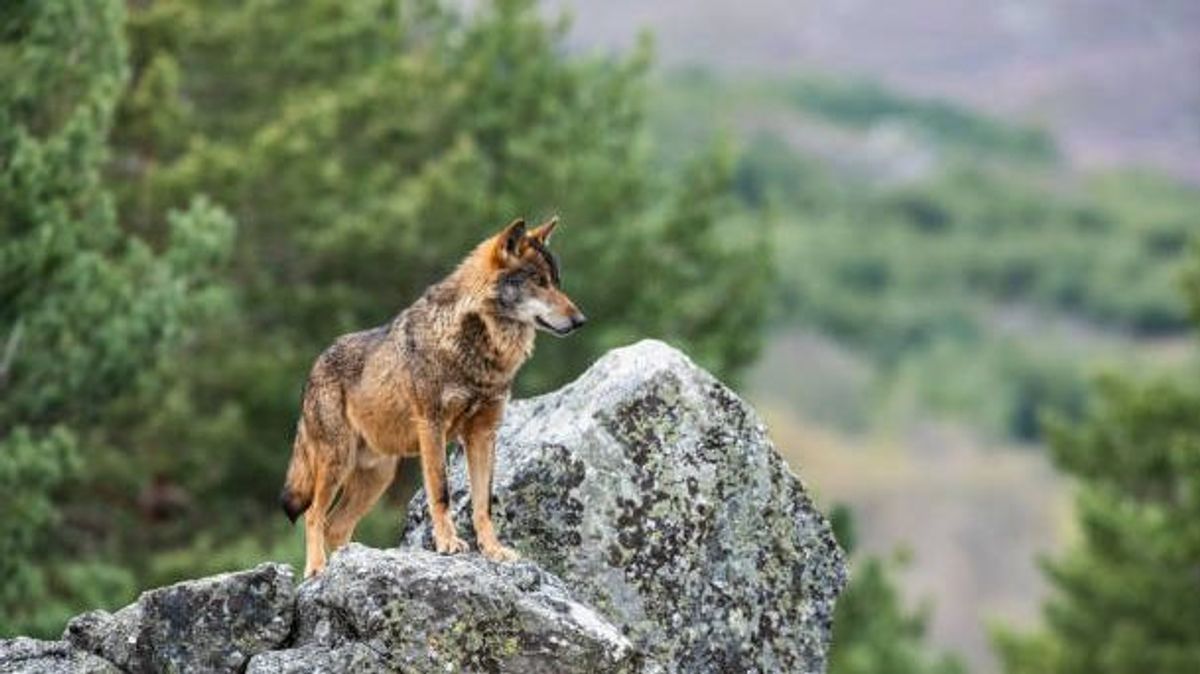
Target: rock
x: 652, y: 490
x: 211, y: 625
x: 315, y: 659
x: 417, y: 611
x: 33, y: 656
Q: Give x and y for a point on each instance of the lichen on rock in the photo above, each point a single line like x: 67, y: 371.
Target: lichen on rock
x: 417, y: 611
x: 653, y: 491
x: 23, y: 655
x: 210, y: 625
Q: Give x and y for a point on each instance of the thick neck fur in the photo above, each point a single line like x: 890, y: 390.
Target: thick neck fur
x: 486, y: 346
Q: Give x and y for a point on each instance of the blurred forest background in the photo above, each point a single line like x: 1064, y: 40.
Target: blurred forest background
x: 948, y: 249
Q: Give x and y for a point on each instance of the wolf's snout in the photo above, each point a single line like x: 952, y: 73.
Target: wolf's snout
x: 563, y: 325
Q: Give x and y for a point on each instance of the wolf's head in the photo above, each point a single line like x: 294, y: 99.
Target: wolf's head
x: 526, y: 279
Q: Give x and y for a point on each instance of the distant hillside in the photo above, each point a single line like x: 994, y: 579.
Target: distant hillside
x: 1115, y: 82
x: 858, y: 127
x: 928, y: 236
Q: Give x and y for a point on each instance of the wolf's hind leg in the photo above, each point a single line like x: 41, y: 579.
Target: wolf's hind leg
x: 367, y: 482
x: 330, y: 475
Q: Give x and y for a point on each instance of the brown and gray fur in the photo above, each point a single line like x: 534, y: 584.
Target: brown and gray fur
x: 439, y: 371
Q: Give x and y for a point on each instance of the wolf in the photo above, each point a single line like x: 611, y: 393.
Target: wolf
x: 440, y: 370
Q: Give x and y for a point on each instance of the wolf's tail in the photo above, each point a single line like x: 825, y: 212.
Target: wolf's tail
x: 297, y: 491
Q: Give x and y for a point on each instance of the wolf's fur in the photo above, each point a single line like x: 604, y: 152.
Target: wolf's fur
x: 440, y: 370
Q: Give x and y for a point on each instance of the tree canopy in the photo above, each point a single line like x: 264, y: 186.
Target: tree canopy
x: 1126, y: 596
x: 87, y: 311
x: 153, y: 360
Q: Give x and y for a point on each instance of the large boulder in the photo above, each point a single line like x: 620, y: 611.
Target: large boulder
x: 416, y: 611
x: 210, y: 625
x: 653, y: 491
x: 33, y: 656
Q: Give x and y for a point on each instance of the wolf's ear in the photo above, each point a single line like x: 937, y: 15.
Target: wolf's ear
x: 543, y: 231
x: 509, y: 240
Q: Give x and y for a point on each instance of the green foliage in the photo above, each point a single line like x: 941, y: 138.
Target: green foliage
x: 873, y: 633
x: 961, y: 249
x: 31, y: 467
x: 907, y: 255
x: 1126, y: 597
x: 1004, y: 386
x: 363, y: 149
x: 85, y: 310
x: 865, y: 104
x: 691, y: 101
x: 1009, y: 291
x: 1190, y: 281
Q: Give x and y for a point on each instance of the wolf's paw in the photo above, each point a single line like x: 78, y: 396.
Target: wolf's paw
x: 450, y: 545
x: 500, y: 553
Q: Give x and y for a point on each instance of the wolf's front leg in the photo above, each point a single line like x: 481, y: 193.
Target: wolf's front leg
x: 480, y: 438
x: 433, y: 469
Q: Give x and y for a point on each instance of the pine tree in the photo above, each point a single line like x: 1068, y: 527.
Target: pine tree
x: 873, y: 633
x: 1127, y: 596
x: 364, y: 148
x: 85, y: 310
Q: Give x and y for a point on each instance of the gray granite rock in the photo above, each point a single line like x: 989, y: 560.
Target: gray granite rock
x: 653, y: 491
x: 417, y: 611
x: 210, y: 625
x: 353, y: 657
x: 33, y: 656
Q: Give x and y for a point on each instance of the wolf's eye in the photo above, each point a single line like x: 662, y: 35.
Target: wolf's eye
x: 542, y: 282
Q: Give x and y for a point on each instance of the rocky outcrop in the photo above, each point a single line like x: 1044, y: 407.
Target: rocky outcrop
x: 369, y: 611
x: 653, y: 491
x: 212, y: 625
x: 417, y: 611
x: 661, y: 533
x: 33, y: 656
